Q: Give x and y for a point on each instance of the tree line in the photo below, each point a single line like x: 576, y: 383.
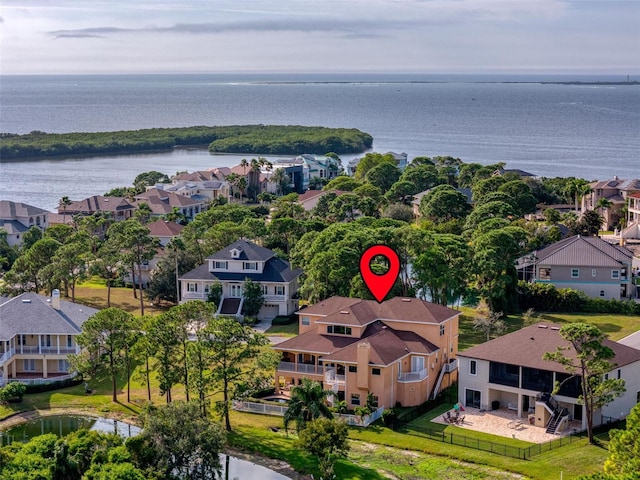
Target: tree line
x: 259, y: 139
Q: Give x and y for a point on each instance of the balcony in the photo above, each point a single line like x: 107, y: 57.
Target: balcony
x: 301, y: 368
x: 275, y: 298
x: 193, y: 296
x: 333, y: 380
x: 452, y: 366
x: 34, y: 350
x: 413, y: 376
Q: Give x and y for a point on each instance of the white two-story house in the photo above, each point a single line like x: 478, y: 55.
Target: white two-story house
x: 235, y: 263
x: 36, y: 336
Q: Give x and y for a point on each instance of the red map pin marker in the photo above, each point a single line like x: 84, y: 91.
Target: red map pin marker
x: 379, y: 285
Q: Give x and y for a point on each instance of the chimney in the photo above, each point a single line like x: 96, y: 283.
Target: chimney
x: 55, y: 299
x: 362, y: 379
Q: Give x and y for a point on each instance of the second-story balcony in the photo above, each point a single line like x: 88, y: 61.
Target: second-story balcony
x: 193, y: 296
x: 275, y: 298
x: 35, y: 350
x: 414, y: 376
x: 332, y: 379
x: 301, y: 368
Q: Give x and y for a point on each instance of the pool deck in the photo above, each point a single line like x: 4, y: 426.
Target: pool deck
x: 499, y: 422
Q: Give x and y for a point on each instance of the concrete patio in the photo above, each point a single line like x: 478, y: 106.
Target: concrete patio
x: 497, y: 422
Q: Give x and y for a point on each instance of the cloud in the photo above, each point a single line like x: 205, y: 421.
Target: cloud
x: 77, y: 35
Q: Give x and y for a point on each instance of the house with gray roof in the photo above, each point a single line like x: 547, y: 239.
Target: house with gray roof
x: 235, y: 263
x: 616, y: 191
x: 36, y: 335
x: 401, y: 351
x: 509, y: 373
x: 16, y: 218
x: 162, y: 202
x: 589, y: 264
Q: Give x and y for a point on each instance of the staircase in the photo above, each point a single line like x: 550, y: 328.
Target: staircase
x: 559, y: 413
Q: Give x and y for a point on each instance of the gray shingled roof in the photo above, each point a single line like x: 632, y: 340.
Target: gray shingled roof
x: 32, y: 314
x: 11, y: 210
x: 583, y: 251
x: 249, y: 251
x: 13, y: 226
x: 275, y: 270
x: 527, y: 346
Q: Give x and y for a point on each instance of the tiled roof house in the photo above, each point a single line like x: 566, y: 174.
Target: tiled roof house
x: 402, y: 351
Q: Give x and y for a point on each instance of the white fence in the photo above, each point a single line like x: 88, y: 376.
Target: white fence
x: 37, y: 381
x: 268, y: 409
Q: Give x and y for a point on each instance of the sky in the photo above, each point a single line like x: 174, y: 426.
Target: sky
x: 319, y: 36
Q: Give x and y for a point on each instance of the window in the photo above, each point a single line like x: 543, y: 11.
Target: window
x: 545, y: 274
x: 602, y: 293
x: 606, y: 376
x: 279, y: 289
x: 265, y: 290
x: 45, y: 341
x: 339, y: 329
x: 417, y: 364
x: 250, y: 265
x: 575, y: 273
x: 221, y: 265
x: 29, y: 365
x: 353, y: 369
x: 637, y: 397
x: 192, y: 287
x: 355, y: 399
x: 69, y: 341
x: 22, y: 339
x: 473, y: 367
x: 441, y: 329
x: 207, y: 286
x: 63, y: 365
x: 594, y: 272
x: 619, y: 374
x: 305, y: 321
x: 615, y: 274
x: 375, y: 371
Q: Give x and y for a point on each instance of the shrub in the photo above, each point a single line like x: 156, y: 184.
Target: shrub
x: 284, y: 320
x: 13, y: 392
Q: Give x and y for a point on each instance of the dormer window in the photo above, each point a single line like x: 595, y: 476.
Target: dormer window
x: 235, y: 253
x: 339, y: 330
x: 220, y: 265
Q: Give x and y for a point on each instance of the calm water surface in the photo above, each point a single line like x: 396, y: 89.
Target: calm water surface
x: 592, y: 131
x: 64, y: 424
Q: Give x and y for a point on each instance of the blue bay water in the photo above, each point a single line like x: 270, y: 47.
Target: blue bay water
x: 591, y: 131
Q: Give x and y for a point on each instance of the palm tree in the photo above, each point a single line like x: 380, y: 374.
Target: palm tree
x: 308, y: 402
x: 64, y: 203
x: 244, y: 164
x: 603, y: 203
x: 280, y: 178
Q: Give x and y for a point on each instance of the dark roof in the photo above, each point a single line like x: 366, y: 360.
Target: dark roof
x: 387, y: 345
x: 30, y: 313
x: 11, y: 210
x: 97, y: 203
x: 583, y: 251
x: 275, y: 270
x: 527, y: 346
x: 248, y: 251
x: 13, y: 226
x: 357, y: 312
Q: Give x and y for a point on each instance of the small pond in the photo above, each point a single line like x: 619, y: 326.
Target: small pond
x: 232, y: 467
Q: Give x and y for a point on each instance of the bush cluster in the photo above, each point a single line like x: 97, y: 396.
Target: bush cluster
x: 12, y: 392
x: 545, y: 297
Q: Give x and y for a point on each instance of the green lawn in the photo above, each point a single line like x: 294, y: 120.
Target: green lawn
x: 290, y: 330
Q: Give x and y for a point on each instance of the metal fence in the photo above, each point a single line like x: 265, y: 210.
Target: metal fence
x: 499, y: 448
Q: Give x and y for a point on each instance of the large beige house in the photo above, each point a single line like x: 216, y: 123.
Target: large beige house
x: 36, y: 336
x: 16, y: 218
x: 403, y: 351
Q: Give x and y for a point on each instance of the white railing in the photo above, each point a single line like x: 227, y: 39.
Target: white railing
x: 192, y: 295
x: 48, y: 349
x: 275, y: 298
x: 263, y: 408
x: 414, y: 376
x: 28, y: 349
x: 37, y: 381
x: 7, y: 355
x: 301, y: 367
x: 330, y: 377
x: 363, y: 421
x: 452, y: 366
x: 279, y: 410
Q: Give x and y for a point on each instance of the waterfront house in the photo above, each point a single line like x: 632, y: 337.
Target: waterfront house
x: 402, y: 351
x: 616, y: 191
x: 163, y: 203
x: 231, y: 266
x: 509, y: 372
x: 113, y: 208
x: 36, y: 335
x: 16, y: 218
x: 206, y: 185
x: 589, y: 264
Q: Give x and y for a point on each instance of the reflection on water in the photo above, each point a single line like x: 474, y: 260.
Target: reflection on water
x: 232, y: 467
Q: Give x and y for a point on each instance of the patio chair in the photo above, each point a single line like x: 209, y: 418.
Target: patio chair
x: 460, y: 420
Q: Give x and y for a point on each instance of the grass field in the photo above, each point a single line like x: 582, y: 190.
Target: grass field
x: 377, y: 452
